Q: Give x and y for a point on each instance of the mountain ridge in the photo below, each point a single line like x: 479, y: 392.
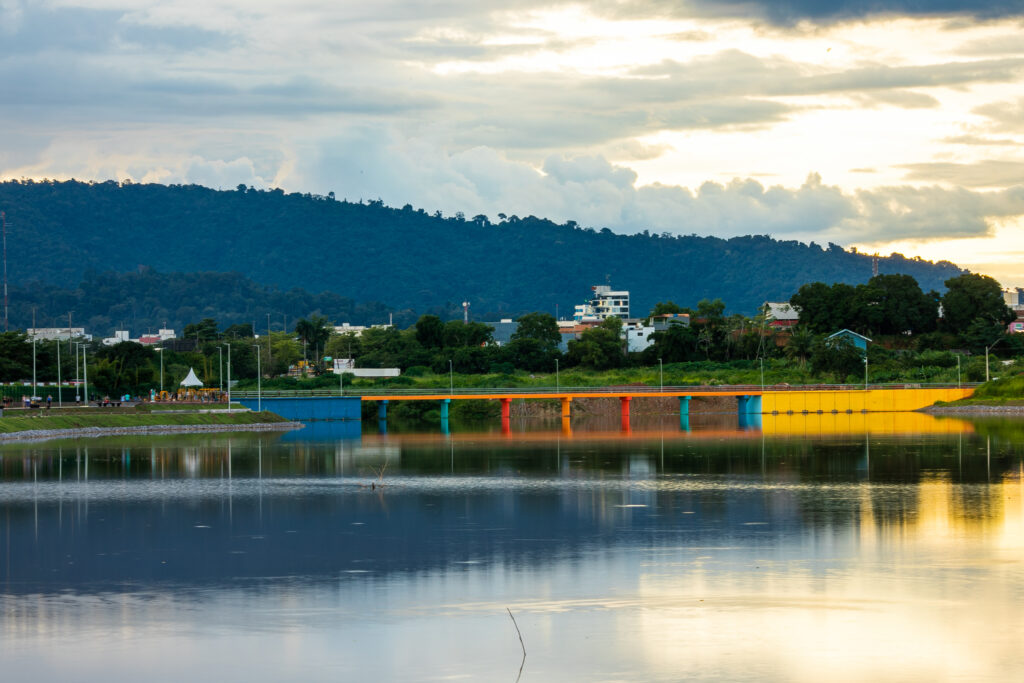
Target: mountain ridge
x: 407, y: 258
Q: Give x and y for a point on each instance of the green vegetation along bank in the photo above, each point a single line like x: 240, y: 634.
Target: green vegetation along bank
x: 54, y: 423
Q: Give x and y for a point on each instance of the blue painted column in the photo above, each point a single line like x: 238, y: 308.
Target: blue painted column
x: 382, y: 410
x: 684, y: 413
x: 444, y: 408
x: 382, y: 426
x: 741, y: 404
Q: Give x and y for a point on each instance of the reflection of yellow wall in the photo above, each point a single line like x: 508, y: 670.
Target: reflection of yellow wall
x: 815, y: 424
x: 843, y: 400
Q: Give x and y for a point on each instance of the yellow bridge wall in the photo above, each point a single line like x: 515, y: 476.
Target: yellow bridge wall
x: 856, y: 401
x: 844, y: 424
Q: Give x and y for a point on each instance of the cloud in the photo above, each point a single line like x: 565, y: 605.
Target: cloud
x: 980, y: 141
x: 789, y: 12
x: 597, y: 193
x: 988, y: 173
x: 32, y: 29
x: 1007, y: 117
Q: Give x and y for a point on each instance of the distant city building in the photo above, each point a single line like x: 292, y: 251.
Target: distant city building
x: 356, y: 330
x: 503, y: 330
x: 638, y: 335
x: 348, y: 366
x: 57, y: 333
x: 604, y: 304
x: 119, y: 336
x: 858, y: 340
x: 781, y: 314
x: 1014, y: 297
x: 163, y: 335
x: 662, y: 322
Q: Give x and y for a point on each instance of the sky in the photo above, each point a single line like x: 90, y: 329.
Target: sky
x: 885, y: 125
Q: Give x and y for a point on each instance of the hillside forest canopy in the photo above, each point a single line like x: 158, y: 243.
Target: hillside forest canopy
x: 297, y: 253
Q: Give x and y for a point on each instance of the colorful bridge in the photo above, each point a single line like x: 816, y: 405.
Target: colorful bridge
x: 751, y: 400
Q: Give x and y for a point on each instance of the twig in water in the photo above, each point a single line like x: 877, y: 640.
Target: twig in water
x: 521, y: 644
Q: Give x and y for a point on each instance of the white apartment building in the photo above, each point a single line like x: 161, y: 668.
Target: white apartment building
x: 604, y: 303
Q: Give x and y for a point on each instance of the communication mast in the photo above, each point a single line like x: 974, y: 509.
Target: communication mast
x: 874, y: 265
x: 465, y: 312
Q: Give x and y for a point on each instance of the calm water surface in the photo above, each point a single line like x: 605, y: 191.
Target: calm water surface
x: 811, y: 548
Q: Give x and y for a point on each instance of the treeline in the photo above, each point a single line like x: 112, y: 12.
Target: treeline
x: 414, y: 259
x: 970, y: 314
x: 145, y: 300
x: 911, y: 342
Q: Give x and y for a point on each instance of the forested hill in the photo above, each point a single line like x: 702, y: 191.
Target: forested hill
x: 408, y: 258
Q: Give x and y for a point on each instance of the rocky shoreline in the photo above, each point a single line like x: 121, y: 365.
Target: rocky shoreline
x: 92, y: 432
x: 969, y: 410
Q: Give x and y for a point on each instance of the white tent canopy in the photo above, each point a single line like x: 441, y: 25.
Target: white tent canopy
x: 191, y: 380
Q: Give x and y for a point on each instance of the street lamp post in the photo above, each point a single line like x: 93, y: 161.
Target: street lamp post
x: 220, y: 369
x: 161, y: 352
x: 60, y: 402
x: 451, y: 378
x: 228, y: 344
x: 661, y: 375
x: 85, y: 375
x: 865, y: 371
x: 78, y: 376
x: 259, y: 381
x: 556, y: 376
x: 33, y: 365
x: 762, y: 374
x: 987, y: 348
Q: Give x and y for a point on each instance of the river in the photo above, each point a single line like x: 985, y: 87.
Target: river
x: 809, y: 548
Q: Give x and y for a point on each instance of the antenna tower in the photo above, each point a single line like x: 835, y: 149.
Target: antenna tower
x: 465, y: 312
x: 3, y: 221
x: 874, y: 265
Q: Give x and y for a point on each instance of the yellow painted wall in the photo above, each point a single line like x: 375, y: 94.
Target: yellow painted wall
x: 833, y: 424
x: 856, y: 401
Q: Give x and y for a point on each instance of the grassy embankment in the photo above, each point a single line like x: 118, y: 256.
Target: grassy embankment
x: 34, y: 420
x: 1006, y: 391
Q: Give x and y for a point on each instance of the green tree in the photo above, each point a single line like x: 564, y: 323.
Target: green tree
x: 971, y: 296
x: 534, y: 344
x: 314, y: 332
x: 894, y: 304
x: 15, y: 356
x: 126, y: 367
x: 459, y: 334
x: 675, y: 344
x: 541, y: 327
x: 239, y: 331
x: 430, y: 332
x: 800, y: 344
x: 666, y: 307
x: 600, y: 347
x: 838, y: 357
x: 204, y: 330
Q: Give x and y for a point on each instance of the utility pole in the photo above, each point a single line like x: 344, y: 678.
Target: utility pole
x: 259, y: 381
x: 85, y: 375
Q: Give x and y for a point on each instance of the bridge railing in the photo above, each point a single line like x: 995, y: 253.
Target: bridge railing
x: 617, y: 390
